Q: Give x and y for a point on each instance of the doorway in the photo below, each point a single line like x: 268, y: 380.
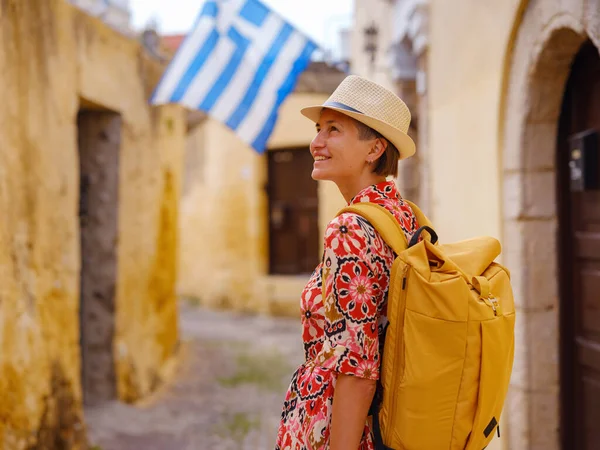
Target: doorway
x: 579, y: 252
x: 293, y: 212
x: 99, y: 141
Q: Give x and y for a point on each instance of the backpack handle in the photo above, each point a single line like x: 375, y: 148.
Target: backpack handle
x: 415, y: 238
x: 481, y: 285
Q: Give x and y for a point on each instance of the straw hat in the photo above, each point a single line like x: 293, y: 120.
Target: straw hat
x: 373, y: 105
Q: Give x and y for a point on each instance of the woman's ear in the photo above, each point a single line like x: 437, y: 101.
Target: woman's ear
x: 378, y: 149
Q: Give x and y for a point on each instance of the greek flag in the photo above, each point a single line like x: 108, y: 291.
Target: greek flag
x: 238, y: 64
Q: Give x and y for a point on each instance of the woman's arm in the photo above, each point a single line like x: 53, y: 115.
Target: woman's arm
x: 351, y: 401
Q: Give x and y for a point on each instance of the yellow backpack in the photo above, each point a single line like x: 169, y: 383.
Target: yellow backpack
x: 449, y: 345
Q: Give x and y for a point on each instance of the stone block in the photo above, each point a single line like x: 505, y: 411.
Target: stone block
x: 543, y: 348
x: 541, y: 277
x: 512, y: 154
x: 532, y: 419
x: 529, y: 253
x: 545, y: 419
x: 520, y: 371
x: 516, y: 416
x: 513, y: 255
x: 591, y: 19
x: 536, y: 359
x: 574, y: 8
x: 513, y: 194
x: 539, y: 195
x: 544, y: 99
x: 539, y: 146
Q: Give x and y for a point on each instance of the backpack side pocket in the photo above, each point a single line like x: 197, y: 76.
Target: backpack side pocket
x: 496, y: 366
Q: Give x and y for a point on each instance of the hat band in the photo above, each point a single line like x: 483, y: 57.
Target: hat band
x: 342, y: 106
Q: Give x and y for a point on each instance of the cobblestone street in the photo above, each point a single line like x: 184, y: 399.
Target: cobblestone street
x: 227, y: 391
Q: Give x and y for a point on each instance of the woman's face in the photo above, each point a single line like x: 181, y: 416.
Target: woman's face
x: 338, y: 152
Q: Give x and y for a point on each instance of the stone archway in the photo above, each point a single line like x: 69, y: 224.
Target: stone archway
x: 548, y: 37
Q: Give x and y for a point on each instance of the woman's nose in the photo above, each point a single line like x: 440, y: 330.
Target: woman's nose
x: 317, y: 142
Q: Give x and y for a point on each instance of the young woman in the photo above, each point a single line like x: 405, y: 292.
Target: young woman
x: 361, y: 135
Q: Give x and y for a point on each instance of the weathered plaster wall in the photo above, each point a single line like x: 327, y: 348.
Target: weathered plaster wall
x: 224, y: 216
x: 468, y: 40
x: 51, y: 57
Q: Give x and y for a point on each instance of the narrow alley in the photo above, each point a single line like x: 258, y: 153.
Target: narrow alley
x: 225, y: 393
x: 164, y: 166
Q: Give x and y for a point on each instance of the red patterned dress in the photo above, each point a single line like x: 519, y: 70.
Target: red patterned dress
x: 341, y: 335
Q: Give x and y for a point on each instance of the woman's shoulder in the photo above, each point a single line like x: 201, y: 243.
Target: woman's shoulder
x: 349, y: 228
x: 352, y: 228
x: 349, y: 222
x: 405, y: 216
x: 399, y: 208
x: 350, y: 234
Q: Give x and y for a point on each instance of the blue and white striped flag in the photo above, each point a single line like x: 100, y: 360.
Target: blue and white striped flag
x: 238, y: 64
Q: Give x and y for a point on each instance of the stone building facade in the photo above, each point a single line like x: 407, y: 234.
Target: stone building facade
x: 89, y: 195
x: 510, y: 95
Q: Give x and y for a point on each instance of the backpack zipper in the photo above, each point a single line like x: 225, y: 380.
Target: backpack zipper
x: 399, y: 349
x: 495, y: 304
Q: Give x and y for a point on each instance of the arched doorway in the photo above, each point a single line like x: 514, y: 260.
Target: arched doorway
x: 578, y: 164
x: 547, y: 36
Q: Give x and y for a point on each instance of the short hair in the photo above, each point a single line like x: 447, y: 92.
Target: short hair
x: 387, y: 164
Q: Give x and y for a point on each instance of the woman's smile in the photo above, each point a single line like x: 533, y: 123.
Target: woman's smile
x: 320, y: 160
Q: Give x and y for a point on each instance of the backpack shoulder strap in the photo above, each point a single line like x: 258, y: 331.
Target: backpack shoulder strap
x: 421, y: 218
x: 383, y: 221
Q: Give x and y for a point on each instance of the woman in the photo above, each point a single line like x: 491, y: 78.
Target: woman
x: 361, y: 135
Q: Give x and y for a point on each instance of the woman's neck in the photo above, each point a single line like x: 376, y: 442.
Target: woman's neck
x: 353, y: 187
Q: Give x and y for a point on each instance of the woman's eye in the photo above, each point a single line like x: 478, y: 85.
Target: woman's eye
x: 333, y: 129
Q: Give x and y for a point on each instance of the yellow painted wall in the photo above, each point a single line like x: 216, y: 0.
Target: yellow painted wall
x: 51, y: 57
x: 467, y: 44
x: 224, y: 216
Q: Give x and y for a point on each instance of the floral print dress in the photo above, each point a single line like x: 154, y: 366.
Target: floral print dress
x: 341, y: 334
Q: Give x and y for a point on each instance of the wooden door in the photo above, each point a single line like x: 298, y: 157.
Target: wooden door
x: 99, y: 135
x: 579, y: 257
x: 293, y: 212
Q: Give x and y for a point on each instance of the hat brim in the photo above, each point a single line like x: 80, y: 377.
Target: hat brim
x: 401, y: 140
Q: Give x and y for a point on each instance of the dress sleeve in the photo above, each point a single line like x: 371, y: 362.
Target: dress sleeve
x: 355, y: 274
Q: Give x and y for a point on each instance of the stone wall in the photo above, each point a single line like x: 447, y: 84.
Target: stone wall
x: 54, y: 61
x: 546, y: 37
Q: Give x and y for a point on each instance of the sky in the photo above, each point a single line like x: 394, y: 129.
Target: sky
x: 319, y: 19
